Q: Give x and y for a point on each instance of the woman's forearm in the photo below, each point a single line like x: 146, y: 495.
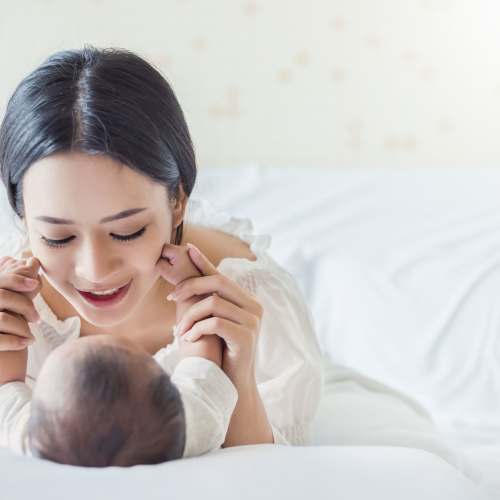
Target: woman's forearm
x: 249, y: 423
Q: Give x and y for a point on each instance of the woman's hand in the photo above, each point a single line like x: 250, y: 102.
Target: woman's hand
x: 16, y: 301
x: 228, y: 310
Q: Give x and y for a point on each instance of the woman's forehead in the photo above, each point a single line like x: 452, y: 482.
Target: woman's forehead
x: 81, y: 170
x: 97, y: 185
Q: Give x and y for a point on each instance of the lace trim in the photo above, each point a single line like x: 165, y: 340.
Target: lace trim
x: 203, y: 212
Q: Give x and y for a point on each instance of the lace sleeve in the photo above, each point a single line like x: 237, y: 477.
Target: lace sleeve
x: 289, y: 372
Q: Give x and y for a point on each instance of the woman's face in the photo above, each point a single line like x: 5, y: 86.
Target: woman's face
x: 85, y: 189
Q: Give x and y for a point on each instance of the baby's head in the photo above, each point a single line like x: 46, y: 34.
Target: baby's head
x: 98, y: 402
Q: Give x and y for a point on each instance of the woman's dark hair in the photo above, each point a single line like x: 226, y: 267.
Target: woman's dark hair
x: 101, y: 102
x: 111, y: 416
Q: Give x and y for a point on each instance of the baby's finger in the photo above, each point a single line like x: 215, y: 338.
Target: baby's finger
x: 30, y: 266
x: 169, y: 252
x: 13, y: 342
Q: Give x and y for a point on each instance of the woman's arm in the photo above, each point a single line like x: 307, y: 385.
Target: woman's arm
x: 249, y: 423
x: 289, y: 376
x: 284, y: 395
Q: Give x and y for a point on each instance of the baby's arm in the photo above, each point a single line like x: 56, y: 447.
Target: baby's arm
x: 15, y: 408
x: 181, y: 268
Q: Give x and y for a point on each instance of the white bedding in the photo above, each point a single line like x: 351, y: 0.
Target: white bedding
x: 400, y: 269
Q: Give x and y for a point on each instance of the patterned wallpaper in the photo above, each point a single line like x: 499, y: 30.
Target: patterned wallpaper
x: 295, y: 82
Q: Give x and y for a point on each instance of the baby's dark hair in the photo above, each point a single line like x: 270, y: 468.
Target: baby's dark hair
x: 109, y: 416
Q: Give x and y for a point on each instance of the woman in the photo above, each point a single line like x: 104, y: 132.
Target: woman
x: 99, y: 165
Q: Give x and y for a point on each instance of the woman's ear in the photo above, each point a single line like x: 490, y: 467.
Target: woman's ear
x: 179, y: 208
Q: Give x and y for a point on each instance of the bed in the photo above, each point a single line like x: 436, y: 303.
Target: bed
x: 401, y: 269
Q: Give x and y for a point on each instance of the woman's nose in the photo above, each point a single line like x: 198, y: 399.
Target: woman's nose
x: 96, y: 264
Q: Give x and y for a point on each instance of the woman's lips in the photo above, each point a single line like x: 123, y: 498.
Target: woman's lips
x: 105, y: 300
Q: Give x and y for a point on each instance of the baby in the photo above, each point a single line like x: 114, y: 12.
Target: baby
x: 99, y: 401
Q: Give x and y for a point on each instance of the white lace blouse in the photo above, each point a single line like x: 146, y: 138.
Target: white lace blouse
x: 288, y: 368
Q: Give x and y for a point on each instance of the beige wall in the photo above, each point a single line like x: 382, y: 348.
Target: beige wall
x: 297, y: 82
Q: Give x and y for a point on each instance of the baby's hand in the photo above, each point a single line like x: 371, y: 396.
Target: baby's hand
x: 177, y: 265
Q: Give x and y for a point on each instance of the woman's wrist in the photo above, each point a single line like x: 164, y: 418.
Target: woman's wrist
x: 242, y: 380
x: 249, y: 423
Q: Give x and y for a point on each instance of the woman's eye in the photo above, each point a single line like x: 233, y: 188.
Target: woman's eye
x: 119, y: 237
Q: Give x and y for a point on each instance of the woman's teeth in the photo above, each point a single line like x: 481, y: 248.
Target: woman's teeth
x: 108, y: 292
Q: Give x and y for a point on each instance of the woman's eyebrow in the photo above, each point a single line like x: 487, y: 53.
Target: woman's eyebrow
x: 119, y: 215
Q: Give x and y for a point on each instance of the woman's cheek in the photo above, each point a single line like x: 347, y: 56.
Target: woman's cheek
x: 151, y: 253
x: 50, y: 264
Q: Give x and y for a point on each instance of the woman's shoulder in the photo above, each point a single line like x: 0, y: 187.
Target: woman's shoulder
x: 224, y: 238
x: 217, y: 245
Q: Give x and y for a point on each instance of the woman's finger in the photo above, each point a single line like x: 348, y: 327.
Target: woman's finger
x: 218, y: 283
x: 214, y: 306
x: 205, y: 267
x: 234, y: 335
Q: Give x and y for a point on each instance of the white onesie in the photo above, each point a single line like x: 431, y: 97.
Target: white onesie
x: 207, y: 394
